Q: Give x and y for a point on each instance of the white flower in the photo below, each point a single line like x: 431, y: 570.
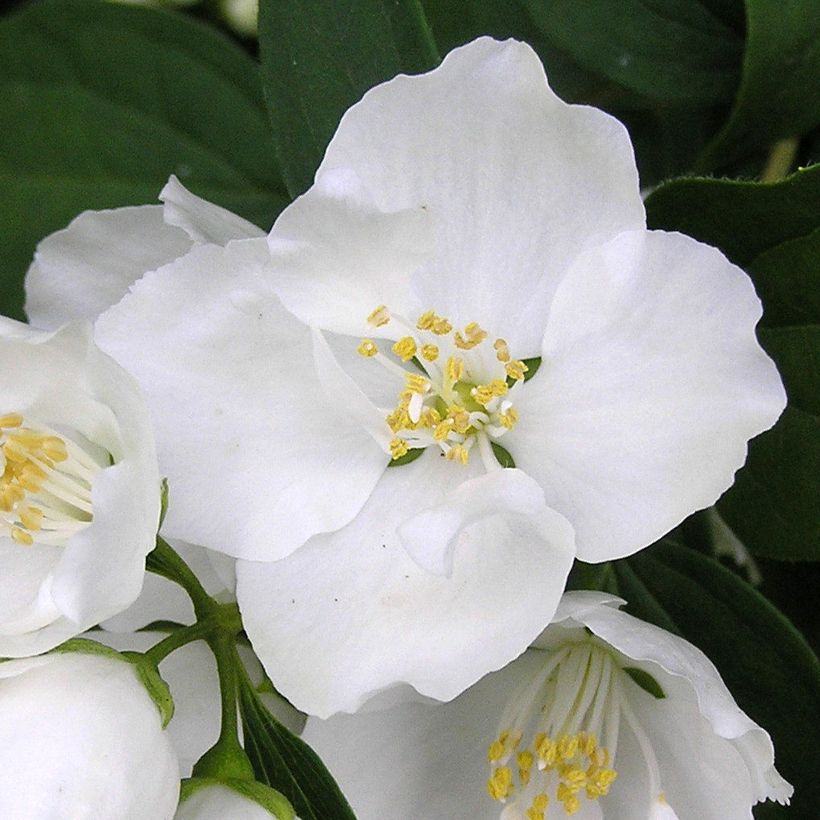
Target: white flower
x: 81, y: 739
x: 79, y: 487
x: 572, y: 725
x: 235, y: 799
x: 471, y: 220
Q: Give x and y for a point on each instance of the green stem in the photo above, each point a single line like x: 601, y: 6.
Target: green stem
x: 179, y: 637
x: 780, y: 161
x: 165, y: 561
x: 227, y: 665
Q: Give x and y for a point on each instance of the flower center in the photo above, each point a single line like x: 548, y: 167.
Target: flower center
x: 45, y: 489
x: 550, y: 731
x: 461, y: 394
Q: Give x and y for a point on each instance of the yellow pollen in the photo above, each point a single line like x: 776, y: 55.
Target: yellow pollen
x: 472, y: 337
x: 405, y: 348
x: 502, y: 350
x: 367, y: 348
x: 21, y: 536
x: 379, y: 317
x: 516, y: 369
x: 417, y: 383
x: 430, y: 418
x: 458, y: 452
x: 454, y: 369
x: 437, y: 324
x: 460, y: 417
x: 443, y: 429
x: 509, y: 418
x: 429, y: 352
x: 31, y: 518
x: 495, y: 751
x: 537, y: 811
x: 441, y: 327
x: 485, y: 393
x: 425, y: 321
x: 500, y: 783
x: 398, y: 448
x: 11, y: 420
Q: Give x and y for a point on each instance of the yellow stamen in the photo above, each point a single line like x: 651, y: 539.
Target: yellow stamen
x: 31, y: 517
x: 11, y: 420
x: 417, y: 383
x: 500, y: 783
x: 21, y: 536
x: 458, y: 452
x: 516, y: 369
x: 485, y: 393
x: 502, y: 350
x: 379, y: 317
x: 398, y: 448
x: 429, y: 352
x: 405, y: 348
x: 367, y: 348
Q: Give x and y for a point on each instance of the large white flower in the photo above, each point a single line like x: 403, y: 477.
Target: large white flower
x: 79, y: 487
x: 81, y: 739
x: 464, y: 224
x: 607, y: 717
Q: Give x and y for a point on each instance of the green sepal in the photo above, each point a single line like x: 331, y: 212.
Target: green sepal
x: 146, y: 671
x: 163, y: 502
x: 269, y: 799
x: 502, y: 455
x: 224, y: 761
x: 648, y: 683
x: 410, y: 456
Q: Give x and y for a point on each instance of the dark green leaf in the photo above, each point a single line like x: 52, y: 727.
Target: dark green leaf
x: 502, y: 455
x: 778, y: 94
x: 285, y: 763
x: 101, y: 103
x: 773, y: 231
x: 673, y: 51
x: 320, y: 56
x: 768, y: 667
x: 743, y: 219
x: 643, y: 679
x: 408, y: 458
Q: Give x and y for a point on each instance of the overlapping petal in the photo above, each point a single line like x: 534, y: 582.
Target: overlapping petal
x: 350, y: 614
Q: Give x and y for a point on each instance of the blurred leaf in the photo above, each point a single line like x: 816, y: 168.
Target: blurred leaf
x: 101, y: 103
x: 778, y: 94
x: 774, y: 231
x: 320, y: 56
x: 286, y: 763
x: 674, y: 51
x: 768, y: 667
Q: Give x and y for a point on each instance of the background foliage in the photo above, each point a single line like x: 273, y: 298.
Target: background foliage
x: 100, y: 103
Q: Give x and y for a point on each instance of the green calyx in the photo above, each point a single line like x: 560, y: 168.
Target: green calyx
x: 269, y: 799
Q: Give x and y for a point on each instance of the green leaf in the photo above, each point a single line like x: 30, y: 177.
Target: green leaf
x: 320, y: 56
x: 100, y: 103
x: 773, y: 230
x: 408, y: 458
x: 285, y: 763
x: 674, y: 51
x: 743, y: 219
x: 778, y: 91
x: 643, y: 679
x: 765, y: 662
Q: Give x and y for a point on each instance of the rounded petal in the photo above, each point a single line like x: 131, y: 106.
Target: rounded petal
x: 428, y: 759
x: 651, y: 385
x: 338, y: 256
x: 85, y: 268
x: 234, y: 799
x: 257, y: 457
x: 62, y: 753
x: 515, y: 181
x: 202, y: 220
x: 351, y: 614
x: 62, y: 380
x: 693, y: 678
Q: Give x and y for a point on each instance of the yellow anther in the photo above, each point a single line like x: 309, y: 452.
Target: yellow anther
x: 31, y: 518
x: 405, y: 348
x: 441, y: 326
x: 425, y: 321
x: 472, y: 337
x: 575, y: 779
x: 547, y: 750
x: 443, y: 429
x: 398, y: 448
x: 367, y: 348
x: 398, y: 419
x: 509, y: 418
x: 567, y: 747
x: 417, y: 384
x: 516, y: 369
x: 429, y: 352
x: 54, y: 448
x: 460, y: 417
x: 485, y: 393
x: 502, y: 351
x: 495, y: 751
x: 458, y: 452
x: 15, y: 453
x: 525, y: 760
x: 588, y: 744
x: 537, y: 810
x: 570, y: 800
x: 379, y: 317
x: 500, y: 783
x: 21, y: 536
x: 11, y: 420
x: 430, y: 418
x: 454, y: 369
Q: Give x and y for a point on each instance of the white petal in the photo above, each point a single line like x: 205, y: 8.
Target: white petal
x: 218, y: 802
x: 85, y: 268
x: 689, y: 671
x: 515, y: 181
x: 338, y: 256
x: 202, y: 220
x: 351, y: 614
x: 63, y: 722
x: 420, y: 760
x: 651, y: 384
x: 257, y: 458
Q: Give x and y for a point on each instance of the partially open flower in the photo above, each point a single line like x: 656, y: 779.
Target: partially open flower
x: 605, y: 717
x: 79, y: 487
